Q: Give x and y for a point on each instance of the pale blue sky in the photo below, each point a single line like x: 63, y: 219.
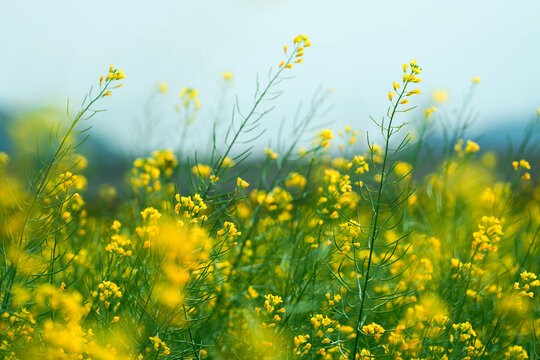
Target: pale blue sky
x: 55, y: 49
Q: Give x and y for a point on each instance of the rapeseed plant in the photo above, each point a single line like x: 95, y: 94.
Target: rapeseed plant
x: 332, y: 251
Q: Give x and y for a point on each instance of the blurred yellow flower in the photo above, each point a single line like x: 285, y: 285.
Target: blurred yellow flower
x: 440, y: 96
x: 163, y: 87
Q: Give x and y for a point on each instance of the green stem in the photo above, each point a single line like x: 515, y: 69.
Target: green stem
x: 373, y: 227
x: 248, y: 117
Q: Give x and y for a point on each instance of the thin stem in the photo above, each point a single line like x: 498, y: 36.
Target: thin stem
x: 373, y: 227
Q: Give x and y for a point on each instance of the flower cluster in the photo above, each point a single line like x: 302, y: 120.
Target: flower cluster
x: 149, y: 230
x: 528, y: 284
x: 300, y: 42
x: 407, y: 78
x: 190, y: 96
x: 118, y: 245
x: 470, y: 147
x: 296, y: 180
x: 241, y: 184
x: 270, y: 153
x: 324, y: 138
x: 229, y: 232
x: 109, y: 294
x: 113, y: 75
x: 522, y: 165
x: 373, y: 330
x: 148, y: 174
x: 201, y: 170
x: 301, y: 344
x: 516, y: 352
x: 191, y: 209
x: 488, y: 235
x: 465, y: 344
x: 159, y: 347
x: 18, y: 327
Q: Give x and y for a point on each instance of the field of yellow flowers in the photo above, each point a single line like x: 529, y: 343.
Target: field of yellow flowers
x: 317, y: 252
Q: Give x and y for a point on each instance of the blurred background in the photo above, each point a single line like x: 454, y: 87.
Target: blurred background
x: 52, y: 51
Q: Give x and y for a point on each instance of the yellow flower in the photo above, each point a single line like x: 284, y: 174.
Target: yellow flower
x: 476, y: 79
x: 271, y: 153
x: 163, y: 87
x: 227, y: 75
x: 327, y: 134
x: 516, y: 352
x: 515, y: 165
x: 430, y: 111
x: 413, y: 92
x: 402, y: 168
x: 190, y: 96
x: 4, y: 158
x: 440, y: 96
x: 201, y: 170
x: 524, y: 164
x: 242, y: 184
x: 252, y: 292
x: 116, y: 225
x: 471, y: 147
x: 300, y: 38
